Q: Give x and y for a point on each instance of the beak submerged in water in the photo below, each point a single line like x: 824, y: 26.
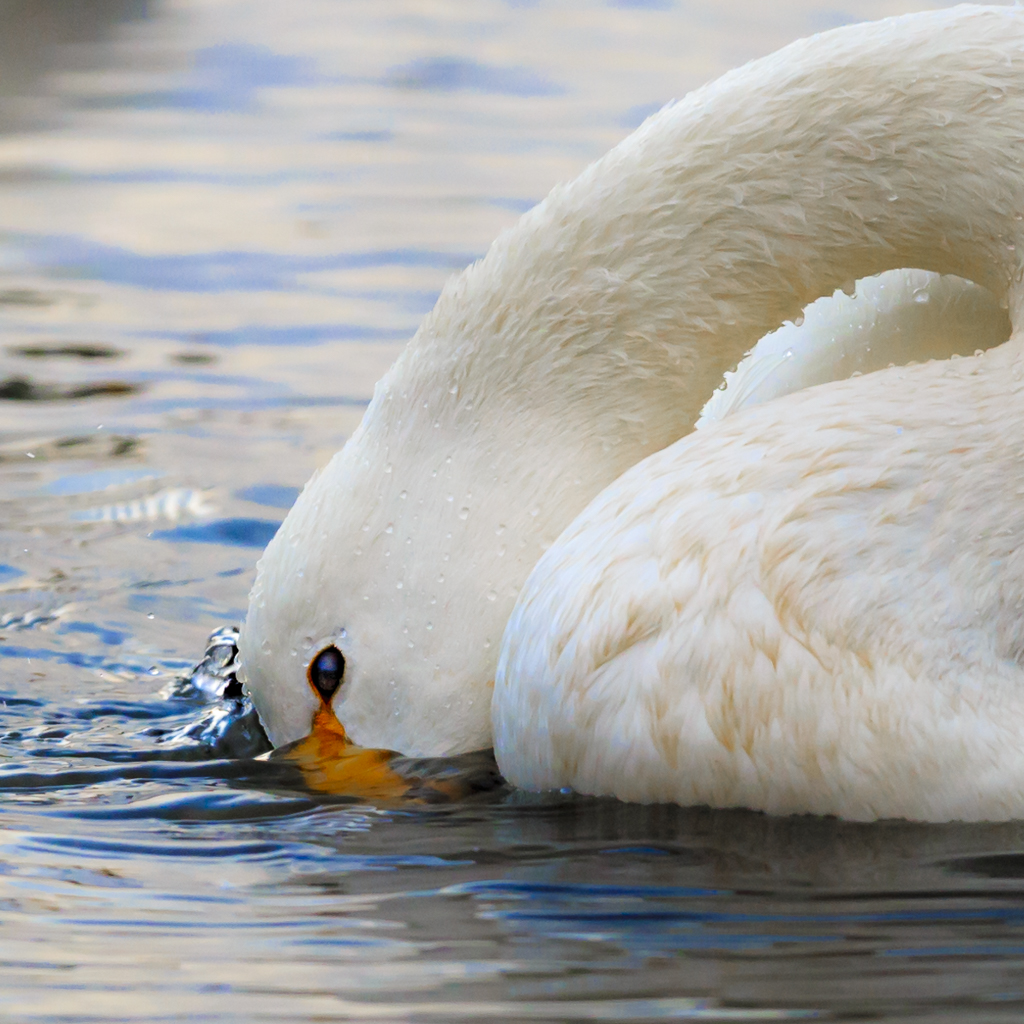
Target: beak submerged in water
x: 330, y: 763
x: 326, y: 759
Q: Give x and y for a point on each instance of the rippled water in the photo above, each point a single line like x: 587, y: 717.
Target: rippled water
x: 219, y: 220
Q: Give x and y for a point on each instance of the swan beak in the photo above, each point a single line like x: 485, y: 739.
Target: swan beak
x: 331, y: 764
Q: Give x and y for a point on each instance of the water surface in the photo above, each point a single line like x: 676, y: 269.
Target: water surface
x: 219, y: 221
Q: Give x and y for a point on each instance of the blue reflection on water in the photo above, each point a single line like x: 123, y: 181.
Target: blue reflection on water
x: 83, y: 258
x: 9, y: 572
x: 303, y: 334
x: 449, y: 74
x: 367, y: 136
x: 110, y: 637
x: 237, y: 532
x: 181, y: 608
x: 650, y: 5
x: 99, y: 480
x: 225, y: 78
x: 271, y: 495
x: 76, y: 658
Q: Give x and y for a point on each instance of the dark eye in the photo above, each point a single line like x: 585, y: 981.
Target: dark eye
x: 326, y: 671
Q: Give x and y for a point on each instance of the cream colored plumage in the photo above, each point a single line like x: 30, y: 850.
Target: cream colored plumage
x: 896, y: 318
x: 814, y: 605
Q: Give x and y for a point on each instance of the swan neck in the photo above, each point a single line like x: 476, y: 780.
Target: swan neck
x: 624, y: 296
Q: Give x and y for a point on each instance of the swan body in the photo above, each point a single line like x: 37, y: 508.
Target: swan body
x: 792, y: 620
x: 810, y: 606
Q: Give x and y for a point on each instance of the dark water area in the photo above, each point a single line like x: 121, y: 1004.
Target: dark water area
x: 219, y: 221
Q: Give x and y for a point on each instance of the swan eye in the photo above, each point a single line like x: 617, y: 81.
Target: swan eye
x: 326, y: 671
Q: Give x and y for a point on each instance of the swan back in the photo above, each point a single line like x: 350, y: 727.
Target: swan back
x: 894, y: 319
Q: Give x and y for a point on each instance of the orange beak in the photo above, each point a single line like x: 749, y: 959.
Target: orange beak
x: 331, y: 764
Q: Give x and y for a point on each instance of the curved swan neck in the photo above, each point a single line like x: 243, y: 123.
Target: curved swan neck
x: 836, y: 158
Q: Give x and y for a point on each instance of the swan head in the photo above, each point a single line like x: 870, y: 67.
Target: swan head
x: 405, y: 553
x: 339, y: 574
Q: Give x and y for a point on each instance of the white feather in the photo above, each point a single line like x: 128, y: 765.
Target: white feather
x: 890, y: 321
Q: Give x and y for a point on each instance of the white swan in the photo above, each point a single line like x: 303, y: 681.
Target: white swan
x: 811, y: 606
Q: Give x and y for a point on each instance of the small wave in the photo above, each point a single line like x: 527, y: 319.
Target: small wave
x: 173, y: 503
x: 176, y: 848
